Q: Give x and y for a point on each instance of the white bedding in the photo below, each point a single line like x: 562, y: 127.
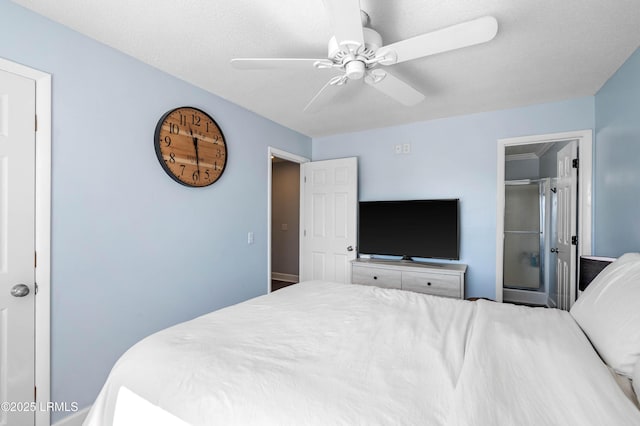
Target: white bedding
x: 321, y: 353
x: 527, y: 366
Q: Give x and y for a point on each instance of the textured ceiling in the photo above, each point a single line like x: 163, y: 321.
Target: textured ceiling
x: 545, y: 50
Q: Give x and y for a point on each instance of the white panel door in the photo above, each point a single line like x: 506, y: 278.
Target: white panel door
x: 17, y: 247
x: 330, y: 198
x: 566, y: 185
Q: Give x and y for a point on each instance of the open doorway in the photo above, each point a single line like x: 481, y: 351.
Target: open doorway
x: 284, y: 219
x: 540, y: 232
x: 285, y: 222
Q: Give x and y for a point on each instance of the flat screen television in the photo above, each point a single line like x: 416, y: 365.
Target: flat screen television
x: 411, y: 228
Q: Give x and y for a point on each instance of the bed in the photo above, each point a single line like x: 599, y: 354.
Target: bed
x: 322, y: 353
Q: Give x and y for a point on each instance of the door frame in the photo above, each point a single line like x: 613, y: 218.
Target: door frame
x: 42, y: 233
x: 275, y: 152
x: 585, y: 185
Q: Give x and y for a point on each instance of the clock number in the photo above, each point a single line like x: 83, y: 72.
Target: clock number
x: 207, y: 176
x: 183, y: 120
x: 215, y: 138
x: 172, y: 157
x: 195, y: 120
x: 207, y: 123
x: 167, y: 140
x: 195, y: 176
x: 182, y: 166
x: 218, y: 153
x: 173, y: 128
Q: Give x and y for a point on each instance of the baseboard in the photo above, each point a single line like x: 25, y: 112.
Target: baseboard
x: 75, y: 419
x: 551, y: 303
x: 288, y: 278
x: 524, y: 296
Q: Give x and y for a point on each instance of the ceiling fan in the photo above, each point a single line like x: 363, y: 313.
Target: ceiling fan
x: 357, y: 51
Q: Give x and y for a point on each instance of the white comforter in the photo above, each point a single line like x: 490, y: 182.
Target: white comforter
x: 321, y: 353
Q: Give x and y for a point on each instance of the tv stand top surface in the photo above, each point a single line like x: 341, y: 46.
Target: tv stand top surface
x: 410, y: 264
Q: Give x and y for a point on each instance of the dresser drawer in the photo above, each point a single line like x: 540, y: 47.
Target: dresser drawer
x: 376, y: 276
x: 436, y: 284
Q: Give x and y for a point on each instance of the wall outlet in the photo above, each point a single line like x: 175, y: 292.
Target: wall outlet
x: 250, y: 237
x: 402, y: 148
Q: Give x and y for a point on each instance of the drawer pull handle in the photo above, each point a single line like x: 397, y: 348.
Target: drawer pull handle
x: 375, y: 278
x: 428, y: 283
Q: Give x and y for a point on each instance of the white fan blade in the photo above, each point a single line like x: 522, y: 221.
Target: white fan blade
x: 344, y: 16
x: 393, y: 87
x: 272, y: 63
x: 325, y: 94
x: 454, y: 37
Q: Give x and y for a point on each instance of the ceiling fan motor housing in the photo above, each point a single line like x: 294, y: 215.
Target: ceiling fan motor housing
x: 354, y: 61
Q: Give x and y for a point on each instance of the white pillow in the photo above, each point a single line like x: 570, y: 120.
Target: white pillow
x: 609, y: 313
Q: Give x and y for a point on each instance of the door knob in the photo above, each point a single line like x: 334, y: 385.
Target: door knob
x: 554, y: 250
x: 19, y: 290
x: 350, y: 248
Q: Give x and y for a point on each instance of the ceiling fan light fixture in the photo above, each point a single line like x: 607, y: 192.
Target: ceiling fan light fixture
x: 354, y: 69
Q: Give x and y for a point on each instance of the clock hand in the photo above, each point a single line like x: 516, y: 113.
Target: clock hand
x: 195, y: 144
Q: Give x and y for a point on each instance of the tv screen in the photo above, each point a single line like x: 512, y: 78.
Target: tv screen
x: 415, y: 228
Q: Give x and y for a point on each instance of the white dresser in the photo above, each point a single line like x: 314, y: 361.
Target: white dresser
x: 438, y: 279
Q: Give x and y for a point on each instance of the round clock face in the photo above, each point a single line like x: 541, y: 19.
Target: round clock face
x: 190, y: 147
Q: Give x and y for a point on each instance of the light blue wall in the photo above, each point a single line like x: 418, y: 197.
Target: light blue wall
x: 617, y: 162
x: 133, y: 251
x: 453, y: 158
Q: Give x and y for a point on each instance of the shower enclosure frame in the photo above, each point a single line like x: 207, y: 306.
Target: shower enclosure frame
x: 543, y: 231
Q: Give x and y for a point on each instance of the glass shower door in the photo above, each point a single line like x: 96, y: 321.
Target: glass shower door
x: 522, y: 235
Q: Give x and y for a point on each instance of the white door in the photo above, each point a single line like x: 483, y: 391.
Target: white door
x: 17, y: 248
x: 330, y: 205
x: 567, y: 184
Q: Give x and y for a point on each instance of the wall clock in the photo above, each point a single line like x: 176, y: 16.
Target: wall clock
x: 190, y: 147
